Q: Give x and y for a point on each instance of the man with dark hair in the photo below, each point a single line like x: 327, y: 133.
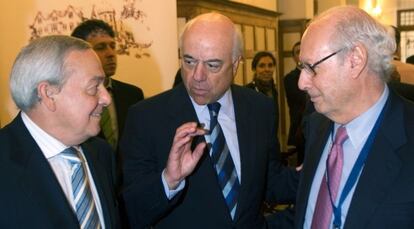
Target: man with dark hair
x: 101, y: 36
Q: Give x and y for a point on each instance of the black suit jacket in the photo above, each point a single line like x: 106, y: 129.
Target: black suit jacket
x: 124, y: 96
x: 149, y: 133
x: 403, y: 89
x: 30, y: 194
x: 296, y: 100
x: 384, y: 194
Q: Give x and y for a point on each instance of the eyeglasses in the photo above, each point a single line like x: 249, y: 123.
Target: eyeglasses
x: 310, y: 68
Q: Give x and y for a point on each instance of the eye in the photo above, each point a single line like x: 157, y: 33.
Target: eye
x: 213, y: 66
x: 99, y: 47
x: 190, y: 62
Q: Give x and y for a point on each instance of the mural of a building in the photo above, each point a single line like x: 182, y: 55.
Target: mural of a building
x: 64, y: 21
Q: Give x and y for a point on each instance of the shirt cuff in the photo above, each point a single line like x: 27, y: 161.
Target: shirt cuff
x: 171, y: 193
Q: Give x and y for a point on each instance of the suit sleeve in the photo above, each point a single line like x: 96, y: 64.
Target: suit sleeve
x: 143, y: 193
x: 282, y: 181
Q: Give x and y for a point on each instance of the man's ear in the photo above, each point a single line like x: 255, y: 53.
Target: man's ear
x: 358, y: 59
x: 236, y: 66
x: 46, y: 94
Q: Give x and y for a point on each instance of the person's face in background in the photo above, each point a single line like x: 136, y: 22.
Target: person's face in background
x: 105, y: 46
x: 208, y: 68
x: 295, y: 52
x: 80, y: 101
x: 265, y: 69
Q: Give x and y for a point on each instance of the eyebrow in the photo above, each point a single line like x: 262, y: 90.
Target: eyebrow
x: 209, y: 60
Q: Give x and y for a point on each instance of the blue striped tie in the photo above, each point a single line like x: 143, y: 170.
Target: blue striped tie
x: 223, y: 163
x: 85, y: 205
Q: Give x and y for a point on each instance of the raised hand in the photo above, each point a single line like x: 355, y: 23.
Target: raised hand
x: 181, y: 160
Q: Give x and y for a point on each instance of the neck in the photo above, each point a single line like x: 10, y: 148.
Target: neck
x: 364, y: 99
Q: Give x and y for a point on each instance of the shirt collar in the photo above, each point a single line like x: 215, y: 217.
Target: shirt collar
x: 359, y: 128
x: 226, y: 102
x: 49, y: 145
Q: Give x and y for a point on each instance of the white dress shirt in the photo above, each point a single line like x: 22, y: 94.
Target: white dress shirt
x: 51, y: 148
x: 227, y: 121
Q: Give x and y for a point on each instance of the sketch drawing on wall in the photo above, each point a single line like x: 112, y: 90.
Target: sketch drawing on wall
x: 64, y: 21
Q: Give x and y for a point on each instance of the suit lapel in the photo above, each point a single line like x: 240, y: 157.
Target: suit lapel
x: 246, y: 130
x: 383, y: 162
x: 36, y: 176
x: 98, y: 173
x: 314, y: 148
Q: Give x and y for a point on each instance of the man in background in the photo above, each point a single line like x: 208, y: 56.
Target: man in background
x: 204, y: 154
x: 54, y: 172
x: 296, y: 100
x: 357, y: 172
x: 101, y: 36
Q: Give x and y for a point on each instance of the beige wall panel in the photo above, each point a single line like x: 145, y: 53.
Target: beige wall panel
x: 270, y: 39
x: 152, y: 66
x: 260, y: 38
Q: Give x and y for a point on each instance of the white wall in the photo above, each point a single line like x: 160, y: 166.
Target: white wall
x: 153, y: 71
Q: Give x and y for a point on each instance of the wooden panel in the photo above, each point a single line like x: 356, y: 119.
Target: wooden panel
x: 259, y: 34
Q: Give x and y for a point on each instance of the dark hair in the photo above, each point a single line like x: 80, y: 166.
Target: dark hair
x: 84, y: 29
x: 259, y: 56
x: 397, y: 35
x: 410, y: 60
x: 294, y: 46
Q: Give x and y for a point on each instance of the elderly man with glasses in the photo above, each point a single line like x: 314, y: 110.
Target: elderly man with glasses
x: 359, y: 158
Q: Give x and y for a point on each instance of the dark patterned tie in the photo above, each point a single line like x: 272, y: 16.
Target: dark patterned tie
x: 323, y: 210
x: 85, y: 206
x: 223, y: 163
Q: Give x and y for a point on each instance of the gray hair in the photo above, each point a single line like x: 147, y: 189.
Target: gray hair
x: 355, y: 26
x: 42, y: 60
x: 237, y: 50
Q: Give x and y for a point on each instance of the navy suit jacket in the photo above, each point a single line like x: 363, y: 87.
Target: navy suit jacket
x: 384, y: 194
x: 30, y: 194
x: 124, y: 96
x: 149, y: 133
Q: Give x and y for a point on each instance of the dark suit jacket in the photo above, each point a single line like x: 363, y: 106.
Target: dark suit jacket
x: 124, y: 96
x: 149, y: 133
x: 403, y: 89
x: 384, y: 195
x: 30, y: 194
x: 296, y: 100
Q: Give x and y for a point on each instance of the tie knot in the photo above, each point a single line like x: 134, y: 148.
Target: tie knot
x: 71, y: 154
x: 214, y: 108
x: 341, y: 135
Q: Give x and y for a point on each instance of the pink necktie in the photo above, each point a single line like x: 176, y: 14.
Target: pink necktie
x: 323, y: 210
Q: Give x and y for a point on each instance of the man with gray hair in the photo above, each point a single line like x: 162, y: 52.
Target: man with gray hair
x: 178, y: 174
x: 359, y: 158
x: 54, y: 172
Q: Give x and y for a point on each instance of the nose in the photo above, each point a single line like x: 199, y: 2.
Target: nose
x: 104, y: 97
x: 110, y: 52
x: 304, y: 81
x: 269, y: 68
x: 199, y: 72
